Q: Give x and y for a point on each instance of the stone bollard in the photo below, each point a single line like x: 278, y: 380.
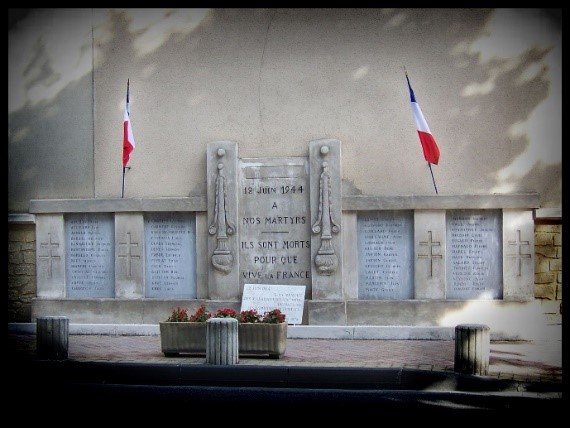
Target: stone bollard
x: 472, y: 348
x: 222, y: 346
x: 52, y: 338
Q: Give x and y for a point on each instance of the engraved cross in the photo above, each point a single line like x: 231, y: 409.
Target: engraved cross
x: 518, y: 255
x: 129, y: 256
x: 430, y: 255
x: 50, y: 256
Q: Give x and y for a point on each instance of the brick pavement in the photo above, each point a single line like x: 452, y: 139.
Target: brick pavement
x: 520, y: 361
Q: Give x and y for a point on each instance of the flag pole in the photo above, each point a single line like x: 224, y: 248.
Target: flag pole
x: 432, y: 179
x: 123, y: 187
x: 124, y: 166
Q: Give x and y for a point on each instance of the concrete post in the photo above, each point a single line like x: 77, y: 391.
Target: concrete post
x: 52, y: 337
x: 222, y: 346
x: 472, y: 348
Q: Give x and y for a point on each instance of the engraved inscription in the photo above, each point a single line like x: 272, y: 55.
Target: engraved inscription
x: 290, y: 299
x: 474, y: 242
x: 385, y: 254
x: 275, y: 244
x: 90, y: 259
x: 170, y: 255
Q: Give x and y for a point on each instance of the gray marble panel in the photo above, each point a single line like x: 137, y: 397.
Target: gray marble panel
x: 170, y: 251
x: 474, y: 254
x: 386, y: 255
x: 90, y: 255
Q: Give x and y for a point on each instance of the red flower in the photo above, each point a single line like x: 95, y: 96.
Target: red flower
x: 178, y: 315
x: 226, y: 313
x: 249, y: 316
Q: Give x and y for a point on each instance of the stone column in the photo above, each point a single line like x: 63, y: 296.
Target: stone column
x: 52, y: 337
x: 222, y: 346
x: 472, y: 348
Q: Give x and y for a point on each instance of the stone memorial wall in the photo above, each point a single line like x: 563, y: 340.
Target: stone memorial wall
x: 283, y: 222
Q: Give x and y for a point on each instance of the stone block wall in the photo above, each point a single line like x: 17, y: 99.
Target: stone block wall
x: 21, y: 271
x: 548, y: 267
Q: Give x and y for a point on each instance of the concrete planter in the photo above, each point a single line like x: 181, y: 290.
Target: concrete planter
x: 183, y: 337
x: 254, y: 339
x: 262, y: 339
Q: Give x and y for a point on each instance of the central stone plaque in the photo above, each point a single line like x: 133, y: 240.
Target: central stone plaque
x: 274, y: 221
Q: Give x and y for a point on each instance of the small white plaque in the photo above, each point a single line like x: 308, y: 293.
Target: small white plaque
x: 290, y: 299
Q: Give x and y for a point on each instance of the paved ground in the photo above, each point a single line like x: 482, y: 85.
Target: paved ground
x: 514, y: 360
x: 335, y: 379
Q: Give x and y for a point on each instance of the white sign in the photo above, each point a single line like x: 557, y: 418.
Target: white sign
x: 289, y: 299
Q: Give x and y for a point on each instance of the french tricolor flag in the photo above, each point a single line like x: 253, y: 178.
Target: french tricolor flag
x: 128, y: 139
x: 429, y: 146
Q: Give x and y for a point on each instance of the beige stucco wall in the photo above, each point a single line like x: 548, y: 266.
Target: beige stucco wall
x: 488, y: 82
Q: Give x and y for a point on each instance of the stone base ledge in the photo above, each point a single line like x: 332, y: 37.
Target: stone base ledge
x: 370, y: 332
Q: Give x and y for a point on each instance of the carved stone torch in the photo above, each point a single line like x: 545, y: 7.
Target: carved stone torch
x: 222, y: 259
x: 326, y: 259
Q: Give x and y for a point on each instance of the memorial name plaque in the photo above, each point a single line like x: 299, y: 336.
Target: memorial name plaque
x: 289, y: 299
x: 90, y: 255
x: 274, y: 221
x: 474, y: 258
x: 386, y: 255
x: 170, y: 243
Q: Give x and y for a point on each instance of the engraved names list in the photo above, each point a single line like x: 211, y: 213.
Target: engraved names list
x: 90, y: 259
x: 474, y: 257
x: 170, y: 255
x: 385, y: 254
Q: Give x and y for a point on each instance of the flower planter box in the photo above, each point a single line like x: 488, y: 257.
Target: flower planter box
x: 254, y: 339
x: 183, y: 337
x: 262, y: 339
